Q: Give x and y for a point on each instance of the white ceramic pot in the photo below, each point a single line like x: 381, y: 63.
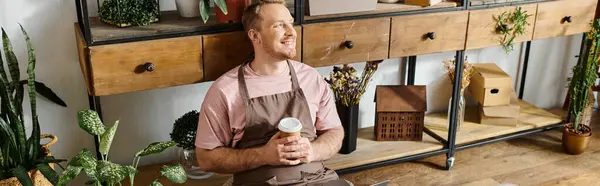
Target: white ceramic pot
x: 388, y: 1
x: 188, y: 8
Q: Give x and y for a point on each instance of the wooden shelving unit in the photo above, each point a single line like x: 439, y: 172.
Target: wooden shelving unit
x: 332, y: 40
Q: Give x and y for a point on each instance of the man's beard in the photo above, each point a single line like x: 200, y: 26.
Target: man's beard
x: 282, y: 55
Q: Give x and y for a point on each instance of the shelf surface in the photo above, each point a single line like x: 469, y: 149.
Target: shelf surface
x: 387, y: 8
x: 492, y: 2
x: 170, y: 23
x: 530, y: 117
x: 367, y: 151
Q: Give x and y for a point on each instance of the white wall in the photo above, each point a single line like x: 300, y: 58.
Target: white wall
x: 148, y: 116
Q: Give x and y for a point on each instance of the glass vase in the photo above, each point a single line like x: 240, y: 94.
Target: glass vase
x: 187, y: 158
x: 460, y: 116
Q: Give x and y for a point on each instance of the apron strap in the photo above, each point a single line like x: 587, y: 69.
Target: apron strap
x: 242, y: 84
x: 244, y: 89
x: 295, y: 85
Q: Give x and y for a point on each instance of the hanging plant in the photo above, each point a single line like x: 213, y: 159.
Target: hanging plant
x: 125, y: 13
x: 511, y: 25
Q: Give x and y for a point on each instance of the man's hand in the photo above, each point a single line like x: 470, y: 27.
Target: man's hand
x: 307, y: 151
x: 283, y: 151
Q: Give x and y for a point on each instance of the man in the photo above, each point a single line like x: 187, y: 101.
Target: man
x: 237, y: 131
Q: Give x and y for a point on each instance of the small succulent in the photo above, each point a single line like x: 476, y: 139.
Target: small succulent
x: 184, y: 130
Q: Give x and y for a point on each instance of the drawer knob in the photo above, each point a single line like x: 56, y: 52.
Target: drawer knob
x: 349, y: 44
x: 431, y: 35
x: 149, y: 66
x: 567, y: 19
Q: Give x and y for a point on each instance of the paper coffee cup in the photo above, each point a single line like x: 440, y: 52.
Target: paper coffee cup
x: 290, y: 127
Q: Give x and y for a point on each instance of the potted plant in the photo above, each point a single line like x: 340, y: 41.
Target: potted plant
x: 23, y: 160
x: 348, y: 89
x: 184, y: 134
x: 576, y: 135
x: 104, y: 171
x: 126, y: 13
x: 188, y: 8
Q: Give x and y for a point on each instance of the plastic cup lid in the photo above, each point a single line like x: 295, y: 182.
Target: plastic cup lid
x: 290, y: 125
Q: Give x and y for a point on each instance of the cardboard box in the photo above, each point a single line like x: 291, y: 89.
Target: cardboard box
x: 422, y: 2
x: 325, y: 7
x: 506, y: 115
x: 490, y: 85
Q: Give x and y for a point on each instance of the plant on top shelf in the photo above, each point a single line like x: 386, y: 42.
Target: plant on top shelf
x: 576, y: 135
x: 511, y: 25
x: 22, y: 159
x: 205, y: 8
x: 125, y: 13
x: 184, y: 134
x: 102, y: 170
x: 347, y: 87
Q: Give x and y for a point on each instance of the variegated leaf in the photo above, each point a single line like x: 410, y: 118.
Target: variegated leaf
x: 69, y: 174
x: 90, y: 122
x: 107, y: 138
x: 156, y: 183
x: 110, y: 173
x: 175, y: 173
x: 155, y: 148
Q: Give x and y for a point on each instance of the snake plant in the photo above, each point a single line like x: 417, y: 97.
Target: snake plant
x: 584, y: 76
x: 18, y: 153
x: 101, y: 170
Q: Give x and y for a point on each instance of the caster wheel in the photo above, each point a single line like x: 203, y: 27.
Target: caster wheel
x: 449, y: 163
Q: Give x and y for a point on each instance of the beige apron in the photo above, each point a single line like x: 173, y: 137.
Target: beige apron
x: 262, y: 116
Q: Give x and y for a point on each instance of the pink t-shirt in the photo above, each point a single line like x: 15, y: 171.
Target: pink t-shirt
x: 222, y: 115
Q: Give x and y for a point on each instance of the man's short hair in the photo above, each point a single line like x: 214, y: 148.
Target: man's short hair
x: 250, y: 18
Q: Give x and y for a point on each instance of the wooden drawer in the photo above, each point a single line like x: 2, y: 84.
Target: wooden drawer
x: 324, y: 44
x: 482, y: 31
x: 120, y: 68
x: 225, y: 51
x: 428, y: 33
x: 553, y: 18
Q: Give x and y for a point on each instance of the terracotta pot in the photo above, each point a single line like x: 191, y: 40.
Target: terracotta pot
x: 575, y: 143
x: 235, y: 10
x: 36, y: 176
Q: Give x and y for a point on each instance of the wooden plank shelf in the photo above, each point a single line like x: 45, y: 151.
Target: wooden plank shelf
x: 367, y: 151
x: 388, y: 8
x: 170, y: 23
x: 471, y: 131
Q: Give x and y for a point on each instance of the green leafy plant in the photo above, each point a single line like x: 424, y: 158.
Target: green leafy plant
x: 511, y: 25
x: 102, y: 170
x: 124, y: 13
x: 19, y: 153
x: 184, y: 130
x: 205, y: 8
x: 584, y: 77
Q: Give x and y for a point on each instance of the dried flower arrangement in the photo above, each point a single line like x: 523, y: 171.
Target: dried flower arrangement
x: 347, y: 87
x: 449, y: 66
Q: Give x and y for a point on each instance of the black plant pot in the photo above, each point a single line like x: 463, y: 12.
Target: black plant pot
x: 349, y: 117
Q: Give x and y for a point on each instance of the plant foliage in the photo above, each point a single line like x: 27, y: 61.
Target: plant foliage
x: 184, y: 130
x: 105, y: 171
x: 19, y: 153
x: 123, y: 13
x: 205, y: 8
x: 584, y: 76
x: 511, y: 25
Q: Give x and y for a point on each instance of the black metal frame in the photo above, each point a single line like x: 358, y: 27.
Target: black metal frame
x: 449, y: 146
